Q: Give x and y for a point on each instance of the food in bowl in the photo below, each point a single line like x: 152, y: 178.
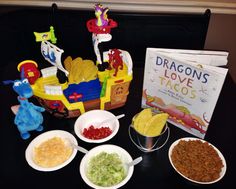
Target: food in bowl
x: 197, y: 160
x: 67, y: 138
x: 52, y: 152
x: 96, y: 133
x: 88, y: 126
x: 106, y: 169
x: 114, y: 158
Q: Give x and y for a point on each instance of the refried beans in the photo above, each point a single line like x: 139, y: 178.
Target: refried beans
x: 197, y: 160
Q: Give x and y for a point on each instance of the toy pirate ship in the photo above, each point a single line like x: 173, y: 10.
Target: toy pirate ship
x: 100, y: 85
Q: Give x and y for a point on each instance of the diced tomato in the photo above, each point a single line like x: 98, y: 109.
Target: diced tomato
x: 96, y: 133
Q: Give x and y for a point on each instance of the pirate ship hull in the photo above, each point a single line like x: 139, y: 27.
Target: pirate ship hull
x: 65, y: 100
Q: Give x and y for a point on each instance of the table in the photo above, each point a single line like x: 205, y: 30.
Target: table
x: 154, y: 171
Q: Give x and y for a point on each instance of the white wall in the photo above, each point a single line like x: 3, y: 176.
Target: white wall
x: 216, y: 6
x: 222, y: 36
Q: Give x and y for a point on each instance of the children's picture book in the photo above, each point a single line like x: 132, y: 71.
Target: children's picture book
x: 186, y: 84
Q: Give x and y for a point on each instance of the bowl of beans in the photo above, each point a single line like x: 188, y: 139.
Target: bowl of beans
x: 197, y: 160
x: 90, y: 126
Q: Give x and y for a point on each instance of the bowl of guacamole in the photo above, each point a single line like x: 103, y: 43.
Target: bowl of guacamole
x: 104, y: 167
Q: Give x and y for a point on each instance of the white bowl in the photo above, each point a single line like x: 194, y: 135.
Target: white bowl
x: 108, y: 148
x: 93, y: 117
x: 29, y: 153
x: 223, y: 170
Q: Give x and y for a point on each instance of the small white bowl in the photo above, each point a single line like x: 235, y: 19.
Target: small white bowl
x: 108, y: 148
x: 223, y: 170
x: 29, y: 153
x: 93, y: 117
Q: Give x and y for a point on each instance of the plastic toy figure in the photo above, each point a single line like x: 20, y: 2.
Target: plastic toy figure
x: 101, y: 24
x: 28, y: 116
x: 31, y: 71
x: 100, y: 27
x: 115, y: 60
x: 101, y: 15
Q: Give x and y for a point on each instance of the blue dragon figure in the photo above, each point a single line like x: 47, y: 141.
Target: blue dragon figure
x: 29, y: 116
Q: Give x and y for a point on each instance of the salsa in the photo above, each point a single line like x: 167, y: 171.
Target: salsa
x: 96, y: 133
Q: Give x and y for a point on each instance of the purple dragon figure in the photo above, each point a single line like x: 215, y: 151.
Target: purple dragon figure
x: 101, y: 15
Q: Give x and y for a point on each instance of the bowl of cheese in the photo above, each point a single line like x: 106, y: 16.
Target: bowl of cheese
x: 51, y: 150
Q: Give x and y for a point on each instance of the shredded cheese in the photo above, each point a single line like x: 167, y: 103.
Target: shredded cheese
x: 52, y: 152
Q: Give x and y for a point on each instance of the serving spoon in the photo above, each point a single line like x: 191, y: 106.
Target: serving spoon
x: 134, y: 162
x: 79, y: 148
x: 109, y: 120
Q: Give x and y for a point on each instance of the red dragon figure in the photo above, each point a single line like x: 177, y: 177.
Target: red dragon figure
x: 115, y: 60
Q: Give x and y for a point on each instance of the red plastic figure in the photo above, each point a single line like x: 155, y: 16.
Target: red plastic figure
x: 115, y: 60
x: 30, y: 70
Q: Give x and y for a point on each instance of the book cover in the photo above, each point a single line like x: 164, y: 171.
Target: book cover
x: 186, y: 84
